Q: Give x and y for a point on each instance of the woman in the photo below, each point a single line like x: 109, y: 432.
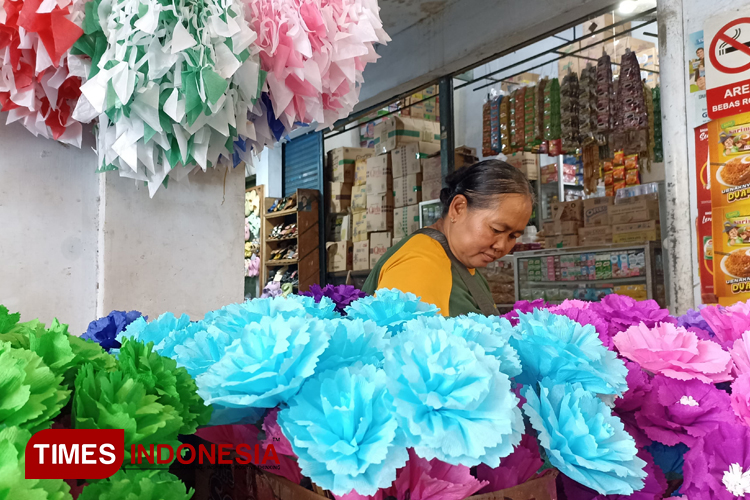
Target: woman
x: 486, y: 207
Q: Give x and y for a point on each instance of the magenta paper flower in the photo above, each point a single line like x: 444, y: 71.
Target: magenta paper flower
x: 741, y: 398
x: 718, y: 467
x: 516, y: 468
x: 423, y: 479
x: 274, y: 434
x: 622, y: 312
x: 740, y: 353
x: 585, y: 316
x: 675, y: 352
x: 524, y: 306
x: 631, y: 402
x: 728, y: 323
x: 681, y: 411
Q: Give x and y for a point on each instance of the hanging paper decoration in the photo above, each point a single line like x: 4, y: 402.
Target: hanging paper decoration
x: 39, y: 86
x: 170, y: 82
x: 315, y: 53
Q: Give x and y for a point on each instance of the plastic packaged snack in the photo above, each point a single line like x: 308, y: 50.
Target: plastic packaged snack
x: 632, y: 178
x: 618, y: 173
x: 619, y: 158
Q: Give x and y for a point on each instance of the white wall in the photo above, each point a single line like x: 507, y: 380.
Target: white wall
x: 268, y: 171
x: 48, y: 228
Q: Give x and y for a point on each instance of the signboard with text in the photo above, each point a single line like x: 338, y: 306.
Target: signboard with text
x: 727, y: 43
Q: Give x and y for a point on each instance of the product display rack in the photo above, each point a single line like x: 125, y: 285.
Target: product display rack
x: 305, y: 214
x: 254, y: 282
x: 650, y: 274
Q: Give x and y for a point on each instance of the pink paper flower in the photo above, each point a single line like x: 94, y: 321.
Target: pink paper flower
x: 524, y: 306
x: 434, y: 480
x: 681, y: 411
x: 585, y: 316
x: 740, y: 353
x: 631, y: 402
x: 728, y: 323
x: 622, y: 312
x: 515, y: 469
x: 741, y: 398
x: 675, y: 352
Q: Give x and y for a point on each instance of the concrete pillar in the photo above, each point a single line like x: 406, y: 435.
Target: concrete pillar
x: 679, y: 241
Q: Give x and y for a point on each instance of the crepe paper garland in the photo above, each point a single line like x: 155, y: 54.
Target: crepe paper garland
x: 171, y: 84
x: 38, y: 85
x: 315, y: 52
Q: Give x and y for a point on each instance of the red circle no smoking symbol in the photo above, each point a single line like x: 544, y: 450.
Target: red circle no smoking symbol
x: 721, y: 36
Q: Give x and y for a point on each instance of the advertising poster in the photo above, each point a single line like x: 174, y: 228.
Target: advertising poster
x: 696, y: 73
x: 729, y: 180
x: 703, y: 222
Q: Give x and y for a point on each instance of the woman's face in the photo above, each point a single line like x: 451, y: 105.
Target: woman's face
x: 482, y: 235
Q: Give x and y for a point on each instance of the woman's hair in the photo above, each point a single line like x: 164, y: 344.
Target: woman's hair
x: 481, y: 182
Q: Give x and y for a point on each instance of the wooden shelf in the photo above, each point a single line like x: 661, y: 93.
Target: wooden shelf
x: 281, y: 262
x: 272, y: 240
x: 274, y: 215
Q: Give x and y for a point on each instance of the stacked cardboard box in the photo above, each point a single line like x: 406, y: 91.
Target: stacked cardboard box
x: 380, y: 242
x: 397, y: 131
x: 379, y: 203
x: 341, y: 169
x: 596, y: 229
x: 528, y: 163
x: 340, y: 254
x: 567, y: 218
x: 635, y: 219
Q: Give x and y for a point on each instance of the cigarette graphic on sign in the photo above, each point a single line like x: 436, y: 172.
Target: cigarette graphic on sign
x: 726, y: 48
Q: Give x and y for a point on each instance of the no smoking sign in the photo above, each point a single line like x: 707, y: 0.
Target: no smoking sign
x: 727, y: 64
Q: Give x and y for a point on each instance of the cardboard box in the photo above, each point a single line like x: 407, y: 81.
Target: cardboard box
x: 379, y: 244
x: 339, y: 227
x: 466, y: 151
x: 637, y: 232
x: 380, y: 212
x: 359, y: 226
x: 635, y: 209
x: 558, y: 227
x: 405, y: 221
x: 431, y: 189
x: 407, y: 190
x: 340, y: 255
x: 361, y: 260
x: 567, y: 210
x: 597, y: 235
x: 396, y: 131
x: 432, y: 168
x: 528, y: 163
x: 379, y: 174
x: 360, y: 172
x: 596, y: 211
x: 567, y: 241
x: 342, y: 162
x: 339, y: 196
x: 408, y: 159
x: 359, y: 197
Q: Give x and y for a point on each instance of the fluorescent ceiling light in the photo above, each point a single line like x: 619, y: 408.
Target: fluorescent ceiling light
x: 628, y: 6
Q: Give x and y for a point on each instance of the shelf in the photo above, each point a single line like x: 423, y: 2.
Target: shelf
x: 274, y: 215
x: 343, y: 274
x: 271, y: 240
x: 617, y: 281
x: 281, y: 262
x: 566, y: 184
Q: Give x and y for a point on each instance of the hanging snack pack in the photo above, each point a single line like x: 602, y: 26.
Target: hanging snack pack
x: 650, y: 110
x: 552, y: 127
x: 587, y: 103
x: 604, y: 90
x: 658, y: 147
x: 530, y: 123
x: 486, y: 130
x: 539, y: 117
x: 518, y: 122
x: 631, y: 104
x: 569, y: 113
x: 505, y: 125
x: 495, y: 124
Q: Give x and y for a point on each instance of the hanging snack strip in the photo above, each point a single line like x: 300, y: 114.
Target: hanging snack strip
x: 539, y: 117
x: 587, y: 102
x: 530, y: 119
x: 569, y: 113
x: 486, y: 130
x: 518, y: 122
x: 495, y: 124
x: 632, y: 112
x: 505, y: 125
x: 650, y: 110
x: 552, y: 127
x: 604, y: 90
x: 658, y: 147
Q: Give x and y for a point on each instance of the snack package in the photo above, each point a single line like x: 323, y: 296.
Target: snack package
x: 619, y: 158
x: 658, y: 146
x: 632, y: 113
x: 607, y: 165
x: 619, y: 185
x: 631, y: 162
x: 569, y: 107
x: 552, y: 110
x: 530, y: 119
x: 486, y: 130
x: 632, y: 178
x: 495, y: 124
x: 609, y: 190
x: 618, y: 173
x: 539, y: 111
x: 505, y: 124
x: 604, y: 91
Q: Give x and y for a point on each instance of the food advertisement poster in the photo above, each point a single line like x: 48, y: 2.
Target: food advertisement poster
x: 696, y: 73
x: 703, y: 222
x: 729, y: 152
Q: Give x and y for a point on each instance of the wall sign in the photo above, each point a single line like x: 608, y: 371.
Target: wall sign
x: 728, y: 63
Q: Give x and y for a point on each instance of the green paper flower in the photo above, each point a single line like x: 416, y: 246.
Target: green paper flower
x: 161, y: 377
x: 7, y: 320
x: 115, y: 400
x: 137, y: 485
x: 12, y: 471
x: 31, y: 395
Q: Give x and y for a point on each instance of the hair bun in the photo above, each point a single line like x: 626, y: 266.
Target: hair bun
x: 445, y: 195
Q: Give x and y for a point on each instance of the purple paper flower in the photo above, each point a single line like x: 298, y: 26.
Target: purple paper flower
x: 524, y: 306
x: 104, y: 330
x: 718, y: 467
x: 515, y: 469
x: 694, y: 318
x: 622, y: 312
x: 586, y: 316
x: 681, y: 411
x: 631, y: 402
x: 341, y: 295
x: 741, y: 398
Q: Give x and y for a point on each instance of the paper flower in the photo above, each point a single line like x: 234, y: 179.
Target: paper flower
x: 694, y: 319
x: 680, y: 411
x: 740, y: 353
x: 112, y: 400
x: 353, y: 341
x: 669, y: 459
x: 143, y: 485
x: 341, y: 295
x: 315, y: 53
x: 627, y: 406
x: 104, y: 331
x: 390, y: 308
x: 622, y: 312
x: 171, y: 84
x: 13, y: 483
x: 583, y: 439
x: 673, y: 351
x: 40, y: 84
x: 728, y: 323
x: 717, y: 467
x: 585, y: 316
x: 741, y: 398
x: 31, y: 395
x: 161, y: 377
x: 344, y: 431
x: 515, y: 469
x: 266, y: 366
x: 554, y: 346
x: 156, y: 331
x: 197, y: 347
x: 451, y: 398
x: 524, y: 306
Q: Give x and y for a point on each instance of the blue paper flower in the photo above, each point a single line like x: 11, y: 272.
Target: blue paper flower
x: 452, y: 401
x: 670, y: 459
x: 493, y: 334
x: 344, y: 431
x: 264, y: 367
x: 353, y: 341
x: 583, y: 439
x: 199, y: 348
x: 390, y: 308
x: 104, y: 331
x: 555, y: 346
x: 156, y: 331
